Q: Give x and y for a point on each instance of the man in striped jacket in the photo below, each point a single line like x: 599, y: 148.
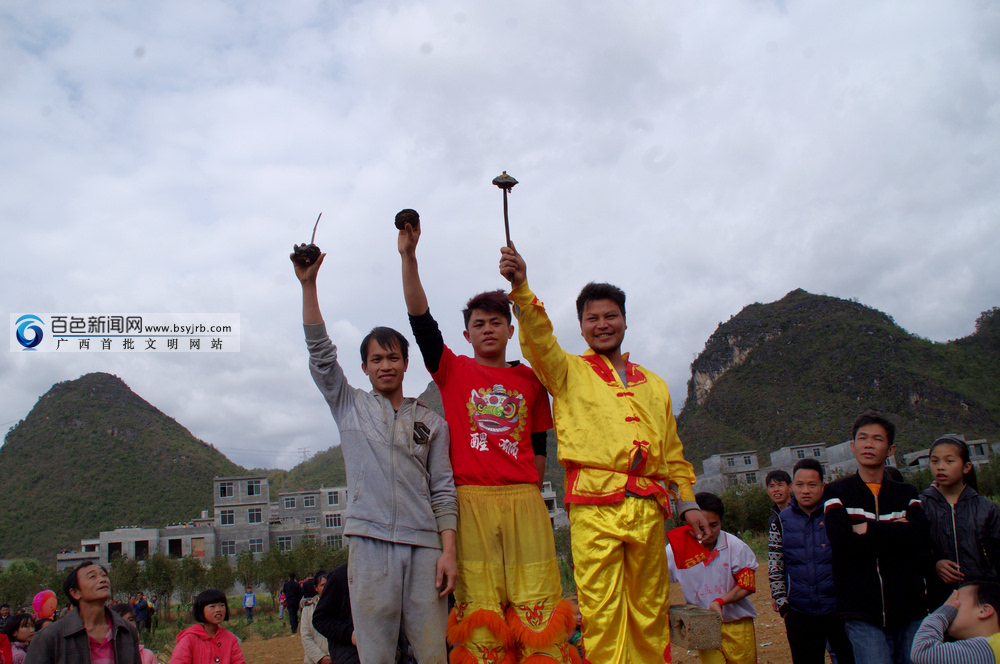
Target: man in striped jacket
x: 881, y: 547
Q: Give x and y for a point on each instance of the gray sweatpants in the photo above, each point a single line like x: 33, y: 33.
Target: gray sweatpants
x: 392, y: 585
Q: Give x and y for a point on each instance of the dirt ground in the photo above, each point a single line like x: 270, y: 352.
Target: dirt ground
x: 772, y: 646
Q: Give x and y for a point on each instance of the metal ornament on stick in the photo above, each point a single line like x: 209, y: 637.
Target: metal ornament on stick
x: 506, y: 183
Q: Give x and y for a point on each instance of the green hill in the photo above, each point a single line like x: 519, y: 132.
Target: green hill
x: 92, y: 455
x: 801, y: 369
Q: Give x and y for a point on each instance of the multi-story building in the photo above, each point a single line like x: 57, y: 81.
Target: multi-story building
x: 244, y: 519
x: 723, y: 471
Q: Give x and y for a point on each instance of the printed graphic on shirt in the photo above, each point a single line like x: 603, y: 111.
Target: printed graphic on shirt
x: 496, y: 412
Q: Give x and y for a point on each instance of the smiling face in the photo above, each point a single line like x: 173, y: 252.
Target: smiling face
x: 215, y: 613
x: 488, y: 332
x: 385, y: 368
x: 603, y: 326
x: 778, y: 492
x: 871, y: 446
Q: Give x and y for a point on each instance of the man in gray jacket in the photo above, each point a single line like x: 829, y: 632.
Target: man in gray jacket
x: 90, y: 632
x: 402, y: 513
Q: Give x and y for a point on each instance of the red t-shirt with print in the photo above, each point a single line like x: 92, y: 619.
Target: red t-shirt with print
x: 491, y: 414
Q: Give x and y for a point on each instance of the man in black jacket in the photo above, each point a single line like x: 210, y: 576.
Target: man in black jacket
x: 332, y: 618
x: 293, y: 594
x: 881, y: 542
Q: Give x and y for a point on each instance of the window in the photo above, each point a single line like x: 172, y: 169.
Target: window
x: 746, y: 459
x: 256, y: 546
x: 114, y: 550
x: 818, y: 452
x: 253, y: 487
x: 290, y: 503
x: 142, y: 549
x: 254, y: 515
x: 333, y: 498
x: 732, y: 461
x: 175, y: 548
x: 310, y: 521
x: 310, y: 536
x: 336, y: 541
x: 226, y: 490
x: 229, y: 547
x: 285, y: 543
x: 751, y: 478
x: 228, y: 517
x: 800, y: 454
x: 333, y: 520
x: 308, y: 501
x: 329, y: 521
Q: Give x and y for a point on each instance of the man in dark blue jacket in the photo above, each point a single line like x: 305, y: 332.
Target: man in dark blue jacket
x: 800, y: 570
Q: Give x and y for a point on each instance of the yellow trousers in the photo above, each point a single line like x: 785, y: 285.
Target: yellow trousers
x: 508, y: 600
x: 622, y: 581
x: 739, y: 645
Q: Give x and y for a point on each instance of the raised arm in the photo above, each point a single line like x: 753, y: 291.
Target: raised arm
x: 413, y: 290
x: 425, y: 328
x: 538, y: 342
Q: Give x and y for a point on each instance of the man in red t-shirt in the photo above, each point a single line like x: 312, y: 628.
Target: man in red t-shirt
x: 509, y: 603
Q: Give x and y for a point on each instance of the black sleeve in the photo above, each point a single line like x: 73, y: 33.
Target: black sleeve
x: 332, y: 617
x: 538, y: 439
x: 429, y: 339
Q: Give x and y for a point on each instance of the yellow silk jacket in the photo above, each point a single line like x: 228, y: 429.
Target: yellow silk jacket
x: 612, y: 438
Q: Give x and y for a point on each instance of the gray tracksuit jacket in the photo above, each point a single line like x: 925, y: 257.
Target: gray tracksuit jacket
x: 399, y: 476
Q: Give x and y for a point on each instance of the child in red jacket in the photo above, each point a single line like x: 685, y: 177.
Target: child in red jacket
x: 208, y: 642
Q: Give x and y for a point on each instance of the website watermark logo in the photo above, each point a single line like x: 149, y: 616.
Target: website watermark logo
x: 25, y: 326
x: 104, y: 333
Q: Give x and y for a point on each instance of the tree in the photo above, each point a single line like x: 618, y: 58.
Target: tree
x: 274, y: 569
x: 160, y: 577
x: 125, y: 576
x: 247, y: 569
x: 221, y: 574
x: 191, y: 577
x: 20, y: 580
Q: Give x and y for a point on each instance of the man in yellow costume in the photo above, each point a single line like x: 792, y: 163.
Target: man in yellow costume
x: 618, y: 442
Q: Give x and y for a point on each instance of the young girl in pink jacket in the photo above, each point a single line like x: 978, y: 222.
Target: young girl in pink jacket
x: 208, y: 642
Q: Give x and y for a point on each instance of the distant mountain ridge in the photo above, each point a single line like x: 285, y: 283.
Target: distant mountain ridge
x: 92, y: 455
x: 801, y: 369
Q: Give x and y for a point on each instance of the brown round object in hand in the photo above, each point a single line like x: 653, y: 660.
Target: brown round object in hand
x: 306, y: 254
x: 407, y: 216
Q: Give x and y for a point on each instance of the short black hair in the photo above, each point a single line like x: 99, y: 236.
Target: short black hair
x: 987, y: 592
x: 777, y: 476
x: 875, y: 417
x: 291, y: 576
x: 494, y: 302
x: 594, y: 291
x: 893, y: 474
x: 16, y: 622
x: 809, y: 464
x: 4, y: 606
x: 319, y: 574
x: 387, y: 338
x: 709, y: 502
x: 206, y: 597
x: 123, y: 609
x: 40, y: 623
x: 72, y: 581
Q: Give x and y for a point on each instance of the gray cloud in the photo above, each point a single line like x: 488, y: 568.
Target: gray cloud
x: 702, y: 158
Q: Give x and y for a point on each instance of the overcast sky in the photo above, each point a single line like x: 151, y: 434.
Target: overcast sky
x: 164, y: 157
